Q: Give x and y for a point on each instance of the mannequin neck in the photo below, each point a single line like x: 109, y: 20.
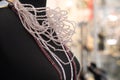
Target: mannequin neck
x: 35, y: 3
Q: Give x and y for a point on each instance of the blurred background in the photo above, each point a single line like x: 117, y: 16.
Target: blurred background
x: 97, y: 38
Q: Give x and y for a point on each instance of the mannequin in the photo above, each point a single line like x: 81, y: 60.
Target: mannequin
x: 20, y: 56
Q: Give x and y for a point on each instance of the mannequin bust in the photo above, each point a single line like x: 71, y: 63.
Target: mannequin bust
x: 20, y: 56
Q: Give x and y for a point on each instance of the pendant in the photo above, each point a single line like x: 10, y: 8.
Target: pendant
x: 3, y: 4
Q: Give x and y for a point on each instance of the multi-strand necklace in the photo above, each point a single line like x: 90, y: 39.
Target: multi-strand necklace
x: 55, y: 27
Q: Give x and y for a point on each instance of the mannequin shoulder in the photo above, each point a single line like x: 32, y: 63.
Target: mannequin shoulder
x: 3, y: 10
x: 7, y: 17
x: 5, y: 13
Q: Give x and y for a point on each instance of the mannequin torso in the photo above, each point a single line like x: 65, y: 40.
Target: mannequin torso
x: 20, y: 56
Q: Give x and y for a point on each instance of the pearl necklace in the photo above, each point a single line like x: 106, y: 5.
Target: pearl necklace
x: 54, y: 21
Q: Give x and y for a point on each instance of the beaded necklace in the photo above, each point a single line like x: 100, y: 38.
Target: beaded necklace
x: 54, y: 21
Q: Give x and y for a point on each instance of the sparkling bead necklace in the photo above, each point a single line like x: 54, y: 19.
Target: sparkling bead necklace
x: 54, y: 21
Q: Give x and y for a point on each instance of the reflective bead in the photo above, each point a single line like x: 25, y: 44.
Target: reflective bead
x: 3, y: 4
